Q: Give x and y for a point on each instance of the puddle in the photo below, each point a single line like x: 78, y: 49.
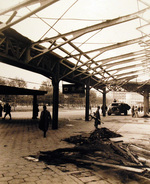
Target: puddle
x: 69, y: 125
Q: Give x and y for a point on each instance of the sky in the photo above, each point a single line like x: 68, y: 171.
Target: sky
x: 33, y: 80
x: 98, y: 10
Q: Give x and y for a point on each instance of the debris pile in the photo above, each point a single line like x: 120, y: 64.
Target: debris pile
x: 99, y: 135
x: 96, y: 149
x: 95, y: 146
x: 103, y: 133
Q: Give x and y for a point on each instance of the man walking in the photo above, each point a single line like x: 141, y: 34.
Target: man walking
x: 7, y: 110
x: 45, y: 119
x: 97, y: 119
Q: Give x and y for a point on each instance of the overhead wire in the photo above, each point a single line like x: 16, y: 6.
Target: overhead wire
x: 63, y: 19
x: 59, y: 18
x: 17, y: 79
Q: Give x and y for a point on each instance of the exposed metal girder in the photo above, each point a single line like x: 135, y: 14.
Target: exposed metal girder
x: 107, y: 60
x: 95, y: 27
x: 20, y: 5
x: 6, y: 26
x: 11, y: 17
x: 114, y: 46
x: 125, y: 68
x: 147, y: 4
x: 126, y: 73
x: 80, y: 32
x: 35, y: 55
x: 128, y: 78
x: 105, y: 49
x: 109, y: 65
x: 112, y: 59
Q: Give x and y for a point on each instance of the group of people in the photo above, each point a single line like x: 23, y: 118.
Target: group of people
x: 7, y: 110
x: 135, y: 110
x: 45, y: 117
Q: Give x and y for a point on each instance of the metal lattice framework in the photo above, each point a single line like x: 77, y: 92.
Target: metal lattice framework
x: 75, y: 64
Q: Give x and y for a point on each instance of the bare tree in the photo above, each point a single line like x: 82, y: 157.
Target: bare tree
x: 17, y: 83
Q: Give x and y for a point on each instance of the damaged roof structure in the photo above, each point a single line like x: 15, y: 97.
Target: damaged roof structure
x: 99, y: 45
x: 102, y: 44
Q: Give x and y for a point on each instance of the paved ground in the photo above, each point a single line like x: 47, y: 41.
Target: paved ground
x: 20, y: 137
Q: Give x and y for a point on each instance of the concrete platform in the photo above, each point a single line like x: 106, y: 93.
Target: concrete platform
x: 20, y: 137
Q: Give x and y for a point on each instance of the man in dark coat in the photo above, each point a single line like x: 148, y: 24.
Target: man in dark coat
x: 7, y: 110
x: 97, y: 119
x: 1, y: 109
x: 45, y: 119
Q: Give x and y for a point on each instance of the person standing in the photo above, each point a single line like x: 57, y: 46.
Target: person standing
x: 7, y: 110
x: 97, y: 119
x: 133, y: 111
x: 45, y: 119
x: 136, y: 112
x: 1, y: 109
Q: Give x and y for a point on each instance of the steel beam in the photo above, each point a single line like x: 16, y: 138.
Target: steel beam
x: 95, y: 27
x: 114, y: 46
x: 6, y: 26
x: 140, y: 58
x: 125, y: 68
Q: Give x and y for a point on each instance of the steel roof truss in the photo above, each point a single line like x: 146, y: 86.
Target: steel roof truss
x: 107, y: 60
x: 114, y: 46
x: 109, y: 65
x: 6, y: 26
x: 126, y: 73
x: 95, y: 27
x: 125, y: 68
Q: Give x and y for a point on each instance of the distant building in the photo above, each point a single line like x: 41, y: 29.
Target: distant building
x: 133, y: 98
x: 130, y: 98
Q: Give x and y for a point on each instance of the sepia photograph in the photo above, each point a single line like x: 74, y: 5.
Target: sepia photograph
x: 74, y: 92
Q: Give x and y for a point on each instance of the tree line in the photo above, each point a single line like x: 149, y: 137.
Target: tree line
x: 64, y: 100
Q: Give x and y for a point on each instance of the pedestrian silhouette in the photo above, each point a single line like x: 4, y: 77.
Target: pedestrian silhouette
x: 136, y: 112
x: 7, y: 110
x: 133, y: 111
x: 97, y: 119
x: 45, y: 119
x: 1, y: 109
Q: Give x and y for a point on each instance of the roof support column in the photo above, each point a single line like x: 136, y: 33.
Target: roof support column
x: 104, y: 102
x: 35, y: 112
x: 87, y: 103
x: 55, y: 104
x: 55, y: 82
x: 146, y: 102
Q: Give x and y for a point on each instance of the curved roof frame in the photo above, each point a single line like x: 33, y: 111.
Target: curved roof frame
x: 115, y: 70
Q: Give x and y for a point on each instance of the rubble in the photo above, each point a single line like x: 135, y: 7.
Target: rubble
x: 96, y: 149
x: 94, y: 146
